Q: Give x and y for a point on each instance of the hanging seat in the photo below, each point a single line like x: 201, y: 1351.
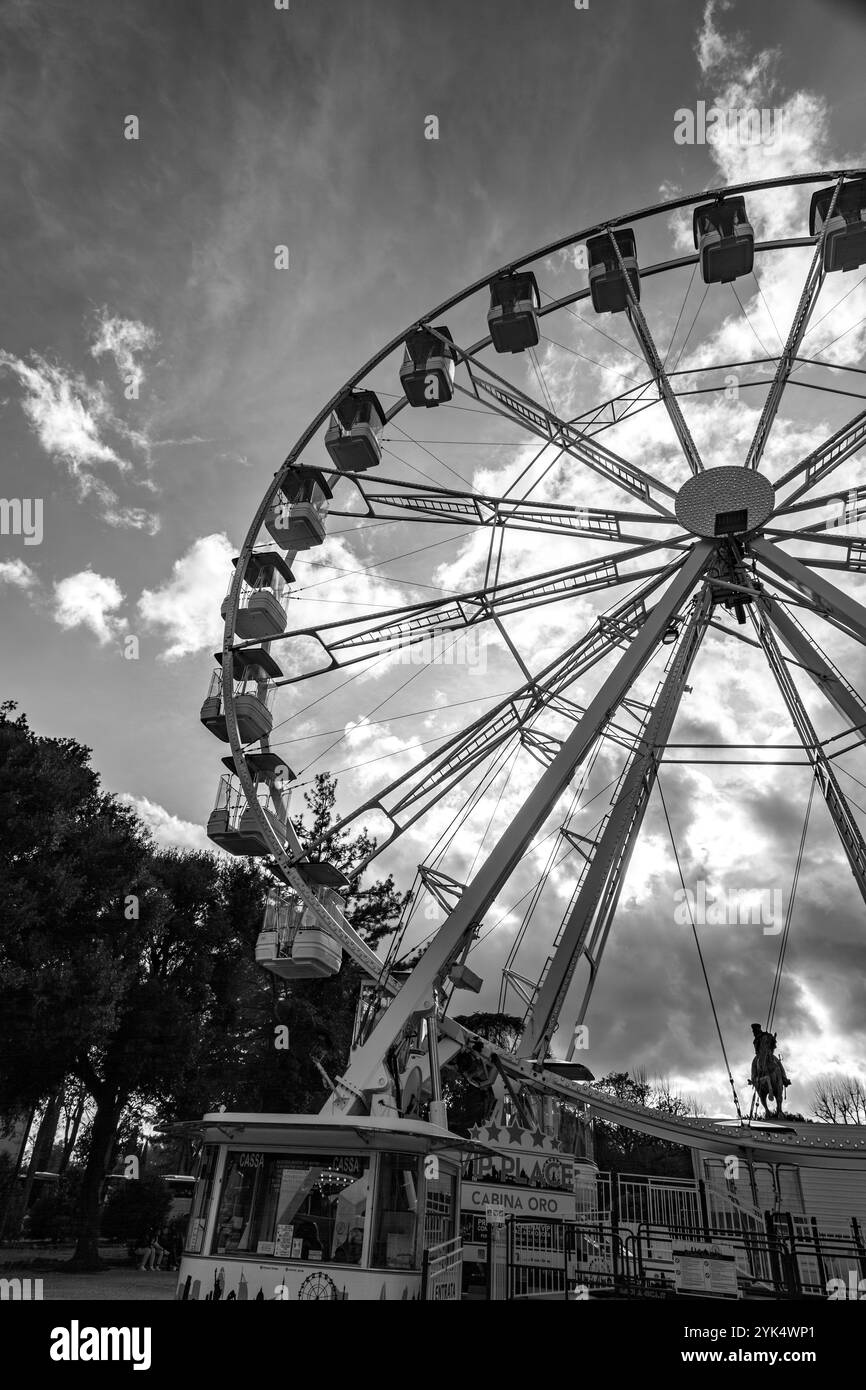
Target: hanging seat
x: 724, y: 237
x: 607, y: 283
x: 427, y: 373
x: 254, y: 667
x: 296, y: 519
x: 845, y: 243
x: 353, y: 436
x: 512, y: 319
x: 261, y: 613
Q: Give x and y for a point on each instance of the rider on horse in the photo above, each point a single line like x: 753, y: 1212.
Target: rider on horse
x: 767, y: 1067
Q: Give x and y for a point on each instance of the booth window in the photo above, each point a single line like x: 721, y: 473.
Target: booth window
x: 293, y: 1206
x: 201, y: 1199
x: 439, y: 1210
x: 396, y: 1227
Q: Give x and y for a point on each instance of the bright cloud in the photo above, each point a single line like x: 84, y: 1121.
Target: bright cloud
x: 186, y: 606
x: 90, y: 600
x: 19, y: 575
x: 169, y: 832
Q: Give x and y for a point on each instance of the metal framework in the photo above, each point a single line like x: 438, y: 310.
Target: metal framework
x: 689, y: 572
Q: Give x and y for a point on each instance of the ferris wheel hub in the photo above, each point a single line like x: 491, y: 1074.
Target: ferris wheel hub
x: 725, y: 501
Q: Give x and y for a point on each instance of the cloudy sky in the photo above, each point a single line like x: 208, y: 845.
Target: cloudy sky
x: 156, y: 365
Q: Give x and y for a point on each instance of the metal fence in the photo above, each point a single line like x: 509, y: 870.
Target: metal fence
x: 548, y: 1259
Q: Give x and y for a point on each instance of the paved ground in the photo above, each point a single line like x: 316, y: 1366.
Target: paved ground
x: 121, y: 1284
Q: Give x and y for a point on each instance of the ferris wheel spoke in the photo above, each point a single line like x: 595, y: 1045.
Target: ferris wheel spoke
x: 589, y: 917
x: 448, y: 507
x: 646, y: 342
x: 347, y: 641
x: 479, y: 894
x: 831, y: 602
x: 501, y: 397
x: 413, y: 792
x: 796, y: 334
x: 816, y: 663
x: 846, y: 442
x: 834, y: 798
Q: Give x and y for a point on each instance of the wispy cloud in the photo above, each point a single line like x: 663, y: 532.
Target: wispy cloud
x: 71, y: 419
x: 124, y: 340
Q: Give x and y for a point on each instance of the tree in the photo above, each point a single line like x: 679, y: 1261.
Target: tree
x: 112, y: 955
x: 629, y: 1151
x: 251, y: 1064
x: 839, y: 1099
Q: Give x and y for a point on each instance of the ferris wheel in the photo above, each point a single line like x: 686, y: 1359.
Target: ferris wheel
x: 476, y: 453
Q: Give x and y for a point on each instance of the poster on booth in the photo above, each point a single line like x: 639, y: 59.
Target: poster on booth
x: 710, y: 1270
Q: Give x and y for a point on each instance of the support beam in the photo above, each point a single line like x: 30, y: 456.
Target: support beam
x: 815, y: 663
x: 641, y: 329
x: 808, y: 300
x: 587, y: 924
x: 367, y: 1073
x: 830, y: 601
x: 836, y: 802
x: 841, y: 446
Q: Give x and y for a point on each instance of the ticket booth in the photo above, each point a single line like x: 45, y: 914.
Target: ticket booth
x: 290, y: 1207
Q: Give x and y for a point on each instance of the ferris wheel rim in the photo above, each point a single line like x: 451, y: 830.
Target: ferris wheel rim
x: 283, y: 860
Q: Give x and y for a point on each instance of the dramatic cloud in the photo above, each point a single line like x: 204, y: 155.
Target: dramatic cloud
x: 90, y: 600
x: 187, y: 606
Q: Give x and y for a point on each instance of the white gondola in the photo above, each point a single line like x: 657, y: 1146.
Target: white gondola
x: 261, y: 613
x: 845, y: 244
x: 296, y: 519
x: 234, y: 825
x: 427, y: 373
x: 607, y: 283
x: 724, y: 237
x: 512, y: 319
x: 353, y: 436
x: 254, y: 669
x: 293, y: 943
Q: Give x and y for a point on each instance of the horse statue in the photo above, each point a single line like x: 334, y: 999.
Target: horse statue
x: 768, y: 1075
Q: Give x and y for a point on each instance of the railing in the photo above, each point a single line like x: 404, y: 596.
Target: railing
x: 547, y: 1259
x: 442, y: 1272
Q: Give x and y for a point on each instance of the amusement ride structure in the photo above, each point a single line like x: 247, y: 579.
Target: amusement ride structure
x: 703, y: 551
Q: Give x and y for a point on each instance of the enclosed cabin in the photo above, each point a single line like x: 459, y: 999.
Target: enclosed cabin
x: 254, y: 670
x: 294, y: 943
x: 725, y: 240
x: 354, y: 434
x: 296, y: 519
x: 607, y: 278
x: 512, y: 318
x: 845, y: 243
x: 324, y: 1208
x: 233, y: 824
x: 261, y: 612
x: 427, y: 373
